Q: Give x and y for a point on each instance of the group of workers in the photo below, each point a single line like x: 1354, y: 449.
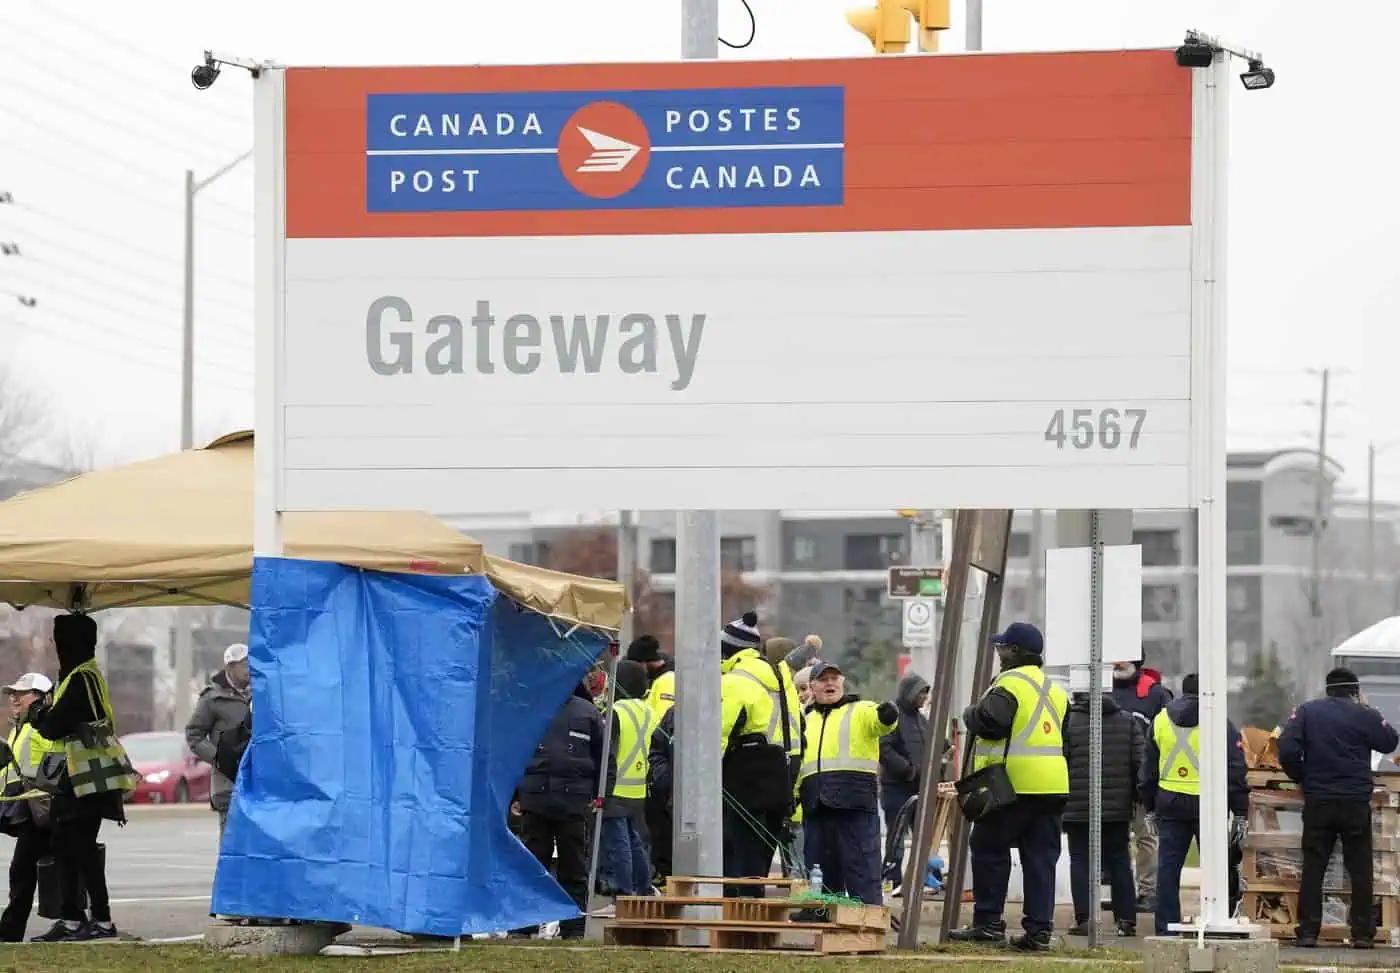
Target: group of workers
x: 1029, y: 724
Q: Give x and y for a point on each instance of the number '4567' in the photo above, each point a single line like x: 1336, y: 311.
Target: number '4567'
x: 1108, y: 428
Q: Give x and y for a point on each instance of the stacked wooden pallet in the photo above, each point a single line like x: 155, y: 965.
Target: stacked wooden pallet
x: 1273, y: 859
x: 744, y: 923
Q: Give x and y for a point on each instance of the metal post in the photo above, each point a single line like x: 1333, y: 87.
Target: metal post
x: 954, y: 590
x: 923, y: 553
x: 1095, y: 723
x: 699, y: 28
x: 627, y: 573
x: 1035, y: 587
x: 974, y: 25
x: 698, y: 827
x: 1208, y: 208
x: 698, y: 822
x: 187, y: 342
x: 1315, y: 590
x: 981, y: 682
x: 1370, y: 531
x: 602, y: 784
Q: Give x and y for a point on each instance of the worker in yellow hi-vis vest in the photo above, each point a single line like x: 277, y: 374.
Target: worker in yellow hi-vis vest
x: 661, y: 696
x: 1018, y: 723
x: 625, y: 863
x: 24, y: 820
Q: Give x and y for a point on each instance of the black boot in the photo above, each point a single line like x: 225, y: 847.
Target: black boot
x: 992, y: 932
x: 1032, y: 942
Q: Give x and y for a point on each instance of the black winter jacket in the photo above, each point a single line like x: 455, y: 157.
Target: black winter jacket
x: 1327, y: 743
x: 561, y: 778
x: 660, y: 780
x: 1123, y: 745
x: 1187, y: 807
x: 902, y: 751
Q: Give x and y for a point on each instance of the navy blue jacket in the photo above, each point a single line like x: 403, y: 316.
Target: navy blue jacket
x: 561, y: 778
x: 1326, y: 746
x: 1187, y: 807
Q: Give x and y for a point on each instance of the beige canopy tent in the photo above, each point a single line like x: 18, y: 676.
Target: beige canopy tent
x: 178, y: 530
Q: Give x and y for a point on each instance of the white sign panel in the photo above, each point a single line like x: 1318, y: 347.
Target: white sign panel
x: 720, y: 285
x: 919, y: 615
x: 1068, y: 603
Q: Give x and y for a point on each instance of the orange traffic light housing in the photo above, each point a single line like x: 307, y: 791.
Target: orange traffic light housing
x: 886, y: 24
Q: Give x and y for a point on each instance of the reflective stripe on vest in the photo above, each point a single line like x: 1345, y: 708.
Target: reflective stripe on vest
x: 842, y: 759
x: 1034, y: 767
x: 774, y: 730
x: 635, y: 727
x: 1179, y: 764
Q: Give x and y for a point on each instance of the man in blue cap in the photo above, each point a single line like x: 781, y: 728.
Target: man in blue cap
x: 1018, y: 723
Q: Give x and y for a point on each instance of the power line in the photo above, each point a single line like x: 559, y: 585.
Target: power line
x: 106, y: 308
x: 67, y: 339
x: 104, y: 153
x: 89, y: 116
x: 94, y: 57
x: 139, y: 297
x: 126, y: 189
x: 241, y: 282
x: 104, y: 261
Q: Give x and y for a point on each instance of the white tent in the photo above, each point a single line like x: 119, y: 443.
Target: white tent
x: 1380, y: 641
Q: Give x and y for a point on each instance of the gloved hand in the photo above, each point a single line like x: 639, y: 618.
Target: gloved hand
x: 1239, y: 829
x: 888, y: 713
x: 596, y: 804
x: 1150, y: 823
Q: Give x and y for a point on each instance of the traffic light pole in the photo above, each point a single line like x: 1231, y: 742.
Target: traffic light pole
x: 698, y: 827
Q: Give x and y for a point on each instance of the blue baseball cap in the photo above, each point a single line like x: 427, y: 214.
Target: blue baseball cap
x: 1022, y: 635
x: 822, y: 668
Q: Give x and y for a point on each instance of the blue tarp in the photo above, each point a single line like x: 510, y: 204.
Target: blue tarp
x: 392, y: 718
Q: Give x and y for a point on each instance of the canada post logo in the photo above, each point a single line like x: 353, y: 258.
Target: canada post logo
x: 570, y: 150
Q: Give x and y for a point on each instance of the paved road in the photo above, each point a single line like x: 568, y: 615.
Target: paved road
x: 159, y: 871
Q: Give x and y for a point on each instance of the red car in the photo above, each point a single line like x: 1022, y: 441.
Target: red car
x: 170, y: 773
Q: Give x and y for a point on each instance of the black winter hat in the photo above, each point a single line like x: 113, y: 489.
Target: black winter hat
x: 644, y: 648
x: 1343, y: 679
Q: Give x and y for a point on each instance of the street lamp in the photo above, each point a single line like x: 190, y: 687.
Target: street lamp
x: 1371, y: 450
x: 187, y: 365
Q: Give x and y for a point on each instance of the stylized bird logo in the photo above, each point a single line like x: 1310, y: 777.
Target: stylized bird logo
x: 609, y: 154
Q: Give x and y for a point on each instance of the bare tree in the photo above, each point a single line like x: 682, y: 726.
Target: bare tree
x: 21, y: 417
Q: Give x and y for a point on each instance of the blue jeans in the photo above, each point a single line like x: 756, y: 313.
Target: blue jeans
x: 626, y: 864
x: 1174, y: 839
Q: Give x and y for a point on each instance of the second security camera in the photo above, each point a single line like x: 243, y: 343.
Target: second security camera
x: 205, y: 74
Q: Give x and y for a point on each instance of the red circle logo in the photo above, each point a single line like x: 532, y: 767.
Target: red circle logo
x: 604, y: 149
x: 1045, y: 727
x: 1181, y: 771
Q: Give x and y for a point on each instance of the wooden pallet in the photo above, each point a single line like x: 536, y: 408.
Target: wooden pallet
x: 1257, y: 902
x: 744, y: 923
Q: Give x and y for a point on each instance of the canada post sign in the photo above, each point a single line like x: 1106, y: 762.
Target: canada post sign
x: 568, y: 150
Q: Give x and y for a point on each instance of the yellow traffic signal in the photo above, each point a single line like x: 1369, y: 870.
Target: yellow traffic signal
x: 886, y: 24
x: 933, y: 16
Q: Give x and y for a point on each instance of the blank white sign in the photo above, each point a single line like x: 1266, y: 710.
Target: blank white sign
x: 1068, y: 605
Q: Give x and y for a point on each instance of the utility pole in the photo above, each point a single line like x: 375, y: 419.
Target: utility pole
x: 627, y: 573
x: 974, y: 25
x: 183, y: 639
x: 1320, y: 487
x: 698, y: 821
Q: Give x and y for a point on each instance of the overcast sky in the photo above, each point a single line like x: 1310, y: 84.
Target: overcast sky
x: 98, y: 122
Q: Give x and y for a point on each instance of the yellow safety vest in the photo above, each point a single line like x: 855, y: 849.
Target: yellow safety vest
x: 852, y: 744
x: 1034, y: 755
x: 29, y: 749
x: 100, y: 766
x: 662, y: 695
x: 750, y: 668
x: 1178, y: 755
x: 635, y: 724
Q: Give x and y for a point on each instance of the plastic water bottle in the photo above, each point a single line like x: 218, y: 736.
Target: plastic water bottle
x: 814, y: 879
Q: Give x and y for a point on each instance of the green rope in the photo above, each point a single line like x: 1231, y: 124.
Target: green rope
x: 772, y: 841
